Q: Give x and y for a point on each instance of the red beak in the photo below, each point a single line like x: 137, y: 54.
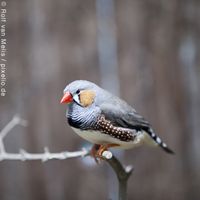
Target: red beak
x: 67, y: 98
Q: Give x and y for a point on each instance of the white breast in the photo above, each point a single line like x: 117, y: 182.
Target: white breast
x: 97, y: 137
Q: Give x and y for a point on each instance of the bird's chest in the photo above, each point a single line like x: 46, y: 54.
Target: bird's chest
x: 103, y: 131
x: 92, y: 136
x: 97, y: 137
x: 82, y: 118
x: 73, y: 122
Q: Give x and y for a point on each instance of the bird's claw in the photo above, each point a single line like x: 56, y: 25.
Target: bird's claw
x: 100, y: 152
x: 97, y: 152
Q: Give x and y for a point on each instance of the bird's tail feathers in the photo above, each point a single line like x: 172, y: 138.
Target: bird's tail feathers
x: 158, y: 141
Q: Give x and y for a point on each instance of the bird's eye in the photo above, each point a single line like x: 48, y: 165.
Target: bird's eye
x: 77, y: 91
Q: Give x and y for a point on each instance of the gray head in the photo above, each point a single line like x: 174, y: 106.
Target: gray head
x: 83, y: 93
x: 79, y: 85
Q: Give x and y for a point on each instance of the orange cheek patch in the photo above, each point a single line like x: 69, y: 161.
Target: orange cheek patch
x: 87, y: 97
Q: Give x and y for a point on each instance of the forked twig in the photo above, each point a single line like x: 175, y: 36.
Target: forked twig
x: 122, y: 173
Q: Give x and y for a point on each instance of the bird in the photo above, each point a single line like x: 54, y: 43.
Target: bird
x: 106, y: 120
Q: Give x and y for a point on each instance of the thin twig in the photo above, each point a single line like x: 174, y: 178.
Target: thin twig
x: 15, y: 121
x: 123, y: 174
x: 24, y: 155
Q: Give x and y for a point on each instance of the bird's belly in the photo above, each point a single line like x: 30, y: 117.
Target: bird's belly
x: 97, y: 137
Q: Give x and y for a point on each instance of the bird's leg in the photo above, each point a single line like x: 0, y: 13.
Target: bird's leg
x: 97, y: 151
x: 105, y: 147
x: 94, y: 150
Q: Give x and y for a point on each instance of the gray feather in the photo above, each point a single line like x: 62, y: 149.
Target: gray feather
x: 121, y: 114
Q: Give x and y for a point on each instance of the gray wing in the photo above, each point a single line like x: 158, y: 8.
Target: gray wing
x: 123, y: 115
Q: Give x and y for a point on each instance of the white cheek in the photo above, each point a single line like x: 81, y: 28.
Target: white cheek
x: 76, y: 98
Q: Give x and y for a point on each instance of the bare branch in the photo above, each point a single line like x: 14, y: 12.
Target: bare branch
x: 15, y: 121
x: 24, y: 155
x: 123, y: 173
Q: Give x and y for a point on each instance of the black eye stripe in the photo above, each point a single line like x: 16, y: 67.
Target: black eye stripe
x: 77, y: 101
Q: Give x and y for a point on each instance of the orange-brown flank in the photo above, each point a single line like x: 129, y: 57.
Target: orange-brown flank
x: 108, y: 128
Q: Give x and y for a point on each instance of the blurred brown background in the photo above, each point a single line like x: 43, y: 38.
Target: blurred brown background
x: 153, y: 50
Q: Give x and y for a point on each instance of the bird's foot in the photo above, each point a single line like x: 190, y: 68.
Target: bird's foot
x: 93, y: 152
x: 97, y: 151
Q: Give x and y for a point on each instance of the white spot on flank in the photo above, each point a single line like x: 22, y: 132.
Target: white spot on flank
x: 164, y: 145
x: 158, y: 140
x: 153, y: 134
